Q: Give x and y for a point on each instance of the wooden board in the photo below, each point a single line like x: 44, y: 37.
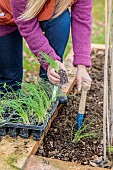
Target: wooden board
x: 98, y: 46
x: 15, y: 152
x: 42, y: 163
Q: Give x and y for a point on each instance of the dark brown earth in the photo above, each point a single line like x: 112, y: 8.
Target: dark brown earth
x: 63, y: 76
x: 58, y: 143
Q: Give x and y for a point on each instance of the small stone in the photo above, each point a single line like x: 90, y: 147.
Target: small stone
x: 54, y: 152
x: 41, y: 147
x: 85, y: 163
x: 101, y: 142
x: 67, y: 154
x: 41, y: 151
x: 55, y: 130
x: 93, y: 164
x: 51, y: 143
x: 66, y: 159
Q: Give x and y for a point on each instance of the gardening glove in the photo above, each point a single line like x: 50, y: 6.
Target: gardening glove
x: 53, y: 77
x: 82, y: 76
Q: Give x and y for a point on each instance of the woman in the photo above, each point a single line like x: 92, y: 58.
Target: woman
x: 29, y: 20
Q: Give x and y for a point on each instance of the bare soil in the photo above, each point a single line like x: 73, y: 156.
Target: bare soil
x: 63, y: 76
x: 58, y: 142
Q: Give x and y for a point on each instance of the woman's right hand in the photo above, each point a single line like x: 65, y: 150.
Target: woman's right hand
x: 53, y: 77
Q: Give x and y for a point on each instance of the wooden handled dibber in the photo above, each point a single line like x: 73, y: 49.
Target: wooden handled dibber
x: 80, y: 117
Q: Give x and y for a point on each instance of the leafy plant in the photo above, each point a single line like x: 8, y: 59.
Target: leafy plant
x: 81, y: 133
x: 30, y: 104
x: 18, y: 109
x: 49, y: 88
x: 39, y: 101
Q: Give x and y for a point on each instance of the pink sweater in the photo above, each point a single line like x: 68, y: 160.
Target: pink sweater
x: 31, y: 31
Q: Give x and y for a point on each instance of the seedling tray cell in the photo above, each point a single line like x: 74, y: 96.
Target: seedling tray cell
x: 37, y: 134
x: 53, y: 109
x: 13, y: 132
x: 25, y: 133
x: 3, y: 131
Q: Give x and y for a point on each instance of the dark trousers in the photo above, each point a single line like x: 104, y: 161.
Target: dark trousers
x: 11, y: 66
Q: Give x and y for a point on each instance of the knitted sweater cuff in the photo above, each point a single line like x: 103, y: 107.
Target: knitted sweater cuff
x: 82, y: 60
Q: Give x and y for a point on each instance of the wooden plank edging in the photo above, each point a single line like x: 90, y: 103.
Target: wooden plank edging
x: 42, y: 163
x: 98, y: 46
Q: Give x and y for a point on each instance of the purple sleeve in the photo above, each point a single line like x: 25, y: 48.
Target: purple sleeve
x: 81, y: 32
x: 32, y: 32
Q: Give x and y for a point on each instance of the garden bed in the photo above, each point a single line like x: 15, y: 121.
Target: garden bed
x: 88, y: 143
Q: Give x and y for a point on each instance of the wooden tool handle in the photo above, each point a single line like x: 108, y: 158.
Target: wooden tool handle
x: 85, y: 88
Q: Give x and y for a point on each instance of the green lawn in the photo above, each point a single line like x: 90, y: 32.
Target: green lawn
x: 98, y: 14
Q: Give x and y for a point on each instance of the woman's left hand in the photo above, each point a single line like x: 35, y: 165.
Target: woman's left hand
x: 82, y: 75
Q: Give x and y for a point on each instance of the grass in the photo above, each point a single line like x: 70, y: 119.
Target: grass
x: 12, y: 160
x: 98, y: 14
x: 68, y: 47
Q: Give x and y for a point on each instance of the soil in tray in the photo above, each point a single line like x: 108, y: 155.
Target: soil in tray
x: 58, y: 142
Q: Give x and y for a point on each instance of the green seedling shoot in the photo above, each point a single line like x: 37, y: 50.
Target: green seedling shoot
x: 31, y: 103
x: 18, y: 108
x: 1, y: 114
x: 81, y: 134
x: 50, y: 61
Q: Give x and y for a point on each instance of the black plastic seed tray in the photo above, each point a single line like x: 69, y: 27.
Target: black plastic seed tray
x: 25, y: 131
x: 53, y: 109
